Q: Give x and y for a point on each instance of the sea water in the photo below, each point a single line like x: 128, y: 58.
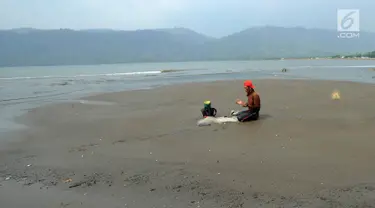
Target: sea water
x: 22, y: 88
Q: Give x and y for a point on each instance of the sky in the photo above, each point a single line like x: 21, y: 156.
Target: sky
x: 215, y: 18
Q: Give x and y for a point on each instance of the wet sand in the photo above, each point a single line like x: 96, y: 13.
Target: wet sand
x: 143, y: 149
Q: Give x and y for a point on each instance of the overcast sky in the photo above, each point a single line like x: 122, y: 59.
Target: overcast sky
x: 212, y: 17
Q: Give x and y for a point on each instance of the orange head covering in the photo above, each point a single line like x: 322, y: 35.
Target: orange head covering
x: 248, y: 83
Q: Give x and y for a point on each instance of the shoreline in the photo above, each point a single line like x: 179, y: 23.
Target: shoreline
x: 327, y: 58
x: 143, y: 148
x: 193, y: 61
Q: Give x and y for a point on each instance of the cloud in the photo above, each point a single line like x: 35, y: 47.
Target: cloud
x: 132, y: 14
x: 88, y: 13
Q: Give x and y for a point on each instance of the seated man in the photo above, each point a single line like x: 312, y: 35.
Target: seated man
x: 253, y: 104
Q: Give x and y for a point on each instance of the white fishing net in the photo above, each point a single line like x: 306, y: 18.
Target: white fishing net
x: 219, y: 120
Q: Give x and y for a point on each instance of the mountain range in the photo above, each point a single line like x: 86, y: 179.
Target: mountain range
x: 30, y: 47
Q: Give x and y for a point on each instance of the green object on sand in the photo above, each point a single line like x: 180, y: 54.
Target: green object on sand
x: 207, y: 104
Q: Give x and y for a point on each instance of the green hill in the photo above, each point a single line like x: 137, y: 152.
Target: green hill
x: 27, y: 46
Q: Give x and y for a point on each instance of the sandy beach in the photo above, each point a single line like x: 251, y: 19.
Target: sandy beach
x: 143, y: 149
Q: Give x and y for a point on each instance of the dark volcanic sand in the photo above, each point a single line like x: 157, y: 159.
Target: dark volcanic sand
x: 143, y: 149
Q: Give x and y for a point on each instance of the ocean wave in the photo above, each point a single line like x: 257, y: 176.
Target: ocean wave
x: 358, y: 66
x: 170, y: 70
x: 16, y: 78
x: 94, y: 75
x: 40, y: 96
x: 342, y: 66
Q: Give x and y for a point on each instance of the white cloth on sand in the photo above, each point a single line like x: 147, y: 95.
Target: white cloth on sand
x: 219, y: 120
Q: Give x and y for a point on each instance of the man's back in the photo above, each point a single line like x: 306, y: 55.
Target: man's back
x: 254, y: 101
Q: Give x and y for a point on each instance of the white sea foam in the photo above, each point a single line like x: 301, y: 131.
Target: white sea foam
x: 93, y: 102
x: 86, y: 75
